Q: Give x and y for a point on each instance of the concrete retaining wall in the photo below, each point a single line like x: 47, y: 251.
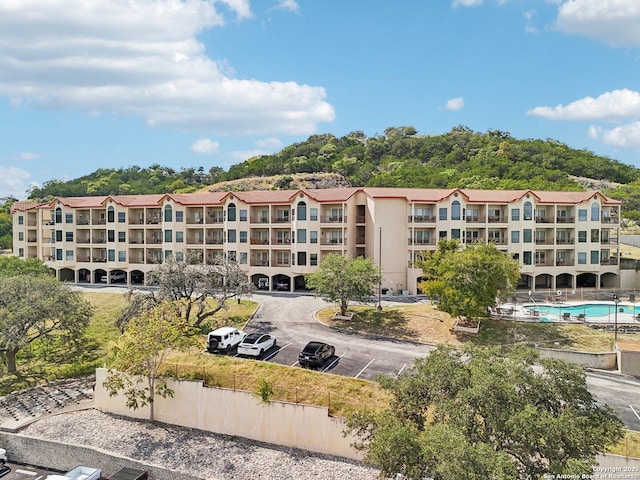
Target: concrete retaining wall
x: 64, y: 456
x: 239, y: 413
x: 604, y: 361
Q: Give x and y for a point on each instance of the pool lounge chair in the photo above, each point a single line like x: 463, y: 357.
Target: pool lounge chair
x: 581, y: 317
x: 566, y: 316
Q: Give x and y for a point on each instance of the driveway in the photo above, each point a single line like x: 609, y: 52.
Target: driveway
x: 290, y: 318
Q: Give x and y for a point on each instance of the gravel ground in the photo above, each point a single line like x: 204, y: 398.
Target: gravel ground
x: 210, y: 455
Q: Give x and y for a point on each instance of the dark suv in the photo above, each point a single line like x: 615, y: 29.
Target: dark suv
x: 314, y: 354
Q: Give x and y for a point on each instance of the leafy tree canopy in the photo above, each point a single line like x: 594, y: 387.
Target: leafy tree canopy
x: 467, y: 281
x: 486, y: 413
x: 137, y: 359
x: 341, y: 279
x: 36, y: 307
x: 10, y: 266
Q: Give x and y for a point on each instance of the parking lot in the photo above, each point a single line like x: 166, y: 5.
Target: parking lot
x: 344, y: 363
x: 22, y: 472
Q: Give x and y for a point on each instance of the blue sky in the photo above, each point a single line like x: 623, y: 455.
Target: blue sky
x: 189, y: 83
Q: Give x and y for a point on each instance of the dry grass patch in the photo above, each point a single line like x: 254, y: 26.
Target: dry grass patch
x: 629, y: 446
x: 342, y: 395
x: 425, y: 324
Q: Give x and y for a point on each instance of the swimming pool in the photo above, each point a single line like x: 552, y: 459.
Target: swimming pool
x: 587, y: 309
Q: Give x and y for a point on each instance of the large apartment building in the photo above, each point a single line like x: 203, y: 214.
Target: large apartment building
x: 560, y: 239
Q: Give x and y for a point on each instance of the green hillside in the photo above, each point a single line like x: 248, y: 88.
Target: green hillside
x: 398, y: 158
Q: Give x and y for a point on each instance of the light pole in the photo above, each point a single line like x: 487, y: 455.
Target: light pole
x: 380, y: 265
x: 615, y: 319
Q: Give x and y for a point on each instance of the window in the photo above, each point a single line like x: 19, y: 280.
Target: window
x: 442, y: 213
x: 122, y: 237
x: 595, y: 257
x: 122, y: 256
x: 168, y: 213
x: 59, y: 219
x: 111, y: 255
x: 526, y: 235
x: 313, y: 259
x: 179, y: 216
x: 526, y: 258
x: 122, y: 217
x: 168, y: 235
x: 455, y: 233
x: 313, y: 236
x: 442, y: 235
x: 282, y: 215
x: 21, y: 236
x: 68, y: 255
x: 111, y: 215
x: 231, y: 212
x: 243, y: 215
x: 243, y: 236
x: 313, y: 214
x: 21, y: 252
x: 111, y: 235
x: 582, y: 258
x: 243, y: 258
x: 595, y: 235
x: 180, y: 256
x: 582, y: 236
x: 68, y: 236
x: 59, y: 236
x: 515, y: 236
x: 541, y: 258
x: 20, y: 220
x: 302, y: 211
x: 455, y: 211
x: 301, y: 236
x: 282, y: 258
x: 595, y: 212
x: 582, y: 215
x: 527, y: 211
x: 168, y: 253
x: 232, y: 255
x: 302, y: 258
x: 58, y: 254
x: 68, y: 218
x: 179, y: 237
x: 231, y: 236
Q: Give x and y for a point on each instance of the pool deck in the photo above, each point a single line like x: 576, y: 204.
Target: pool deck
x: 527, y: 312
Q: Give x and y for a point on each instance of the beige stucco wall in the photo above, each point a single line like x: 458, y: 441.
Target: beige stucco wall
x: 605, y: 360
x: 239, y: 413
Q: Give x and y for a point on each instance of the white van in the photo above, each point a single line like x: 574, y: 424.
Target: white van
x: 116, y: 277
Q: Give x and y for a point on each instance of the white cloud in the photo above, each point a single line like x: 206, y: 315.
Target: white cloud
x: 143, y: 58
x: 454, y: 104
x: 611, y: 21
x: 623, y: 136
x: 14, y: 182
x: 271, y: 143
x: 290, y: 5
x: 205, y: 146
x: 26, y: 156
x: 466, y: 3
x: 610, y: 106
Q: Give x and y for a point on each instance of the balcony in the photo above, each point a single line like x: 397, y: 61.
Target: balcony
x: 333, y: 219
x: 422, y: 241
x: 565, y: 241
x: 544, y: 241
x: 259, y: 241
x: 565, y: 220
x: 260, y: 219
x: 281, y: 220
x: 259, y: 263
x: 498, y: 219
x: 610, y: 220
x: 544, y: 220
x: 609, y: 261
x: 332, y: 241
x: 282, y: 241
x: 474, y: 219
x: 567, y: 262
x: 422, y: 219
x: 215, y: 241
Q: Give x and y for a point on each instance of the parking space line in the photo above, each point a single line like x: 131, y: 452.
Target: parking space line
x: 333, y: 363
x: 400, y: 371
x: 365, y: 367
x: 634, y: 411
x: 273, y: 354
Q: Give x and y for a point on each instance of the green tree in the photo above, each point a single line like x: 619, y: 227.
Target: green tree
x: 202, y: 290
x: 10, y: 266
x: 34, y: 307
x: 341, y: 279
x: 467, y: 281
x: 486, y: 413
x: 137, y: 359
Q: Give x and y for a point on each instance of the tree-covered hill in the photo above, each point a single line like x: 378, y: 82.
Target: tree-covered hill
x: 398, y: 158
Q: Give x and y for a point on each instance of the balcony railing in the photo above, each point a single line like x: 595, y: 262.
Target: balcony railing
x: 565, y: 219
x: 259, y: 263
x: 282, y: 241
x: 422, y: 219
x: 422, y: 241
x: 498, y: 219
x: 259, y: 241
x: 333, y: 219
x: 565, y: 241
x: 609, y: 220
x: 332, y: 241
x: 281, y: 220
x: 544, y: 220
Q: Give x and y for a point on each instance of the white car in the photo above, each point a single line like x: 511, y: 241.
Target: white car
x: 255, y: 344
x: 3, y: 456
